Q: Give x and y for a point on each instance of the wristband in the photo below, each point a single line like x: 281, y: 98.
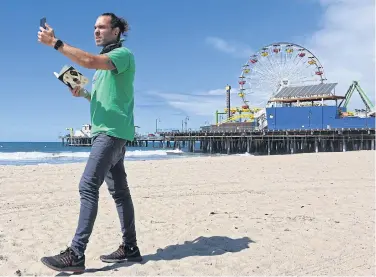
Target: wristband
x: 58, y: 44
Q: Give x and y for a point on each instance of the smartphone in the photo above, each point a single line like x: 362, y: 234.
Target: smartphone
x: 43, y: 22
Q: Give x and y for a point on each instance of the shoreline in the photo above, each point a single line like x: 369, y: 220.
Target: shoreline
x: 169, y: 156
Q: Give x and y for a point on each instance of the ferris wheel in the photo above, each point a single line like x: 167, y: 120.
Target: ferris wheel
x: 276, y: 66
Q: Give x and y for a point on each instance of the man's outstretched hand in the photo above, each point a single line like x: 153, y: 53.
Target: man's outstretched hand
x: 47, y: 36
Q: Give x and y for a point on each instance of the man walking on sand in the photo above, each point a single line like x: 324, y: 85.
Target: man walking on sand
x: 111, y: 108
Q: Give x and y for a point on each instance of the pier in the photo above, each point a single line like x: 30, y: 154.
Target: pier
x: 271, y: 142
x: 265, y: 142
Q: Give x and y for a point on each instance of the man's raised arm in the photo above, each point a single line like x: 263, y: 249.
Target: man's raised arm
x: 78, y: 56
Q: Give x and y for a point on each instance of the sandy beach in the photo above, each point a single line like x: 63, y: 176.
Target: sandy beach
x: 305, y: 214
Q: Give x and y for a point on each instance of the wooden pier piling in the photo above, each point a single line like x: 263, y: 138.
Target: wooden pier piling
x: 276, y: 142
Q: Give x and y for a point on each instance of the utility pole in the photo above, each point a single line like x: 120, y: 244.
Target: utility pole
x: 186, y: 123
x: 156, y: 124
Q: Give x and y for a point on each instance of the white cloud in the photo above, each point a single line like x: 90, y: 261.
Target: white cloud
x: 237, y: 49
x: 345, y: 44
x: 203, y: 103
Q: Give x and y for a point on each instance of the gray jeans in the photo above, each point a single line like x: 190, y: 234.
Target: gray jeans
x: 105, y: 163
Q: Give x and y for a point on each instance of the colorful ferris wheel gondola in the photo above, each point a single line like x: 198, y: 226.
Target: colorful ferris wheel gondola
x: 275, y: 66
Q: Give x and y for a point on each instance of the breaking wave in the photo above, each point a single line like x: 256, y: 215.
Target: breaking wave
x: 46, y: 157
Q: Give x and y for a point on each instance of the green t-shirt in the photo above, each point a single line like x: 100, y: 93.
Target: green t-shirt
x: 112, y: 97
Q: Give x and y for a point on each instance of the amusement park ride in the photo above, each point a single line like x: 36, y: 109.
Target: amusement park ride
x: 270, y: 70
x: 236, y: 114
x: 370, y: 108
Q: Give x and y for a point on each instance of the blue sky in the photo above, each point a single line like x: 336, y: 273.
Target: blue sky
x: 186, y: 52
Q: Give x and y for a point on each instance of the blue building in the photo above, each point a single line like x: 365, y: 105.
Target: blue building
x: 306, y: 107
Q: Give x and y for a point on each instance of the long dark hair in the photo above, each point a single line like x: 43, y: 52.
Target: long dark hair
x: 119, y: 22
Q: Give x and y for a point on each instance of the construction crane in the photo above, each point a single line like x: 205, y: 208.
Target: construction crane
x: 370, y: 108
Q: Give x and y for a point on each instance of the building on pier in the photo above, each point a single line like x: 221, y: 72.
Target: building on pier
x: 80, y: 137
x: 304, y: 108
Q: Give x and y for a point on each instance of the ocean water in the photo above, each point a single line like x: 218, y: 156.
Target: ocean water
x: 24, y: 153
